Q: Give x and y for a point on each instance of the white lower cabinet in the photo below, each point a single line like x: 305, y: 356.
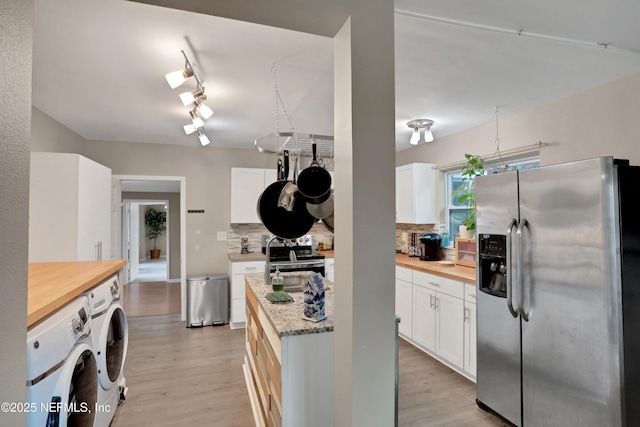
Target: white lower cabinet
x: 470, y: 328
x: 328, y: 268
x: 237, y: 270
x: 441, y: 314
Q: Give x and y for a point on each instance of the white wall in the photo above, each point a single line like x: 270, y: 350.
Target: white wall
x: 16, y: 40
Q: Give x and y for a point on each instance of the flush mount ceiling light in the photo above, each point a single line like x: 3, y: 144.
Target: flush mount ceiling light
x: 418, y: 124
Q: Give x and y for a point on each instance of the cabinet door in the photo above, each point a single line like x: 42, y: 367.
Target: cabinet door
x: 424, y: 318
x: 416, y: 200
x: 247, y: 185
x: 404, y: 307
x: 94, y: 210
x: 450, y: 328
x: 470, y: 338
x: 405, y: 204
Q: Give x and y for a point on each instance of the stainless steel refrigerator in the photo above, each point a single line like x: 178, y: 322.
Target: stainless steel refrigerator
x: 559, y: 302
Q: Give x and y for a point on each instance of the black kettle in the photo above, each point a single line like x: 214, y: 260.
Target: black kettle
x: 431, y: 247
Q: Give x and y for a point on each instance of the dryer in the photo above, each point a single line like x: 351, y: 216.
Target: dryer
x: 110, y: 339
x: 62, y: 373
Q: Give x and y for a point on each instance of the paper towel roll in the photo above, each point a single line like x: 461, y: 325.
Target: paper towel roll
x: 404, y: 243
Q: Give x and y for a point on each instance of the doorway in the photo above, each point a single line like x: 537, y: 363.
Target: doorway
x: 134, y: 194
x: 141, y: 266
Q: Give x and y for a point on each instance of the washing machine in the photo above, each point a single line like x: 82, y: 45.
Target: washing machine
x: 62, y: 371
x: 110, y: 339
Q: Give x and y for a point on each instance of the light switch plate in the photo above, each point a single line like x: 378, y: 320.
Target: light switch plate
x: 222, y: 236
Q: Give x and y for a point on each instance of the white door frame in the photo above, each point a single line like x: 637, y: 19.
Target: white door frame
x: 117, y: 225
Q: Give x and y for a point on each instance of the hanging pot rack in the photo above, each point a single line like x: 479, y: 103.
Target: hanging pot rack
x: 298, y: 144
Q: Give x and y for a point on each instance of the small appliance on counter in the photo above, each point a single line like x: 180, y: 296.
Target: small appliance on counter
x: 431, y: 247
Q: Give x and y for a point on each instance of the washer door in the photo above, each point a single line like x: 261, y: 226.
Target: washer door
x: 74, y: 401
x: 112, y: 345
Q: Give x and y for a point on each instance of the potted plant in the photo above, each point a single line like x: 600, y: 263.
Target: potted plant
x: 474, y: 166
x: 156, y: 225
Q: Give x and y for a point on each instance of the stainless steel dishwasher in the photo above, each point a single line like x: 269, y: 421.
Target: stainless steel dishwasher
x: 207, y: 300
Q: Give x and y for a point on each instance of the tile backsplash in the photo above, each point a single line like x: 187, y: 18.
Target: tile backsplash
x: 254, y: 232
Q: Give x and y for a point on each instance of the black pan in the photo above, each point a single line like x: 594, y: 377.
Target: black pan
x: 278, y: 220
x: 314, y: 182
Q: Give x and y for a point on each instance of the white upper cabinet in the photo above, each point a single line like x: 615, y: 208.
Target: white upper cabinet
x: 416, y: 194
x: 247, y: 184
x: 70, y: 208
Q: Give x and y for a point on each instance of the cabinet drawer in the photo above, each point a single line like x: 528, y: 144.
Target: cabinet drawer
x: 404, y: 273
x: 470, y: 293
x: 247, y: 267
x: 439, y: 283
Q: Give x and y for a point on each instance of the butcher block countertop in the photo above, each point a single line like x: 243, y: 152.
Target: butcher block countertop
x: 456, y: 272
x: 54, y: 284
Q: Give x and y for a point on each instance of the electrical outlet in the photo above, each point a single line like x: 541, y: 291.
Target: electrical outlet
x: 222, y: 236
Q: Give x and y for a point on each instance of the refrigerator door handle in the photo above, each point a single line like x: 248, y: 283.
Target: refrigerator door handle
x: 512, y: 310
x: 523, y: 314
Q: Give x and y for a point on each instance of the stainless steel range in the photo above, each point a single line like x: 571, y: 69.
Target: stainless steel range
x: 291, y: 255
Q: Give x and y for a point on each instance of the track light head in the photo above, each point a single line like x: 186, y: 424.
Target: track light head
x: 176, y: 78
x: 204, y: 140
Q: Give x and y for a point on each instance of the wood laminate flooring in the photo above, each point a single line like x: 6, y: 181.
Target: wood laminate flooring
x: 151, y: 298
x: 181, y: 376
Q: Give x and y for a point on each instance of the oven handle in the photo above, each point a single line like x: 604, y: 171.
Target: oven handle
x: 298, y: 265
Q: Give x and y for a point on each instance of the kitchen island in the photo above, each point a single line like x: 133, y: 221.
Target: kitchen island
x: 289, y: 361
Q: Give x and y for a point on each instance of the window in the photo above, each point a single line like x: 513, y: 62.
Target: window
x: 455, y: 212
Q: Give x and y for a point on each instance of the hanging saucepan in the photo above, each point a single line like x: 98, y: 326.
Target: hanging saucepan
x: 328, y: 221
x: 279, y: 221
x: 314, y: 182
x: 323, y: 209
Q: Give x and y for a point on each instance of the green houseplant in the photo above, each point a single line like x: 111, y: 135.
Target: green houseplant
x: 156, y: 225
x: 465, y: 193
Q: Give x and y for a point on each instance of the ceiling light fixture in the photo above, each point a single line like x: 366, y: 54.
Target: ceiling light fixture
x: 204, y: 140
x: 190, y: 97
x: 202, y: 108
x: 200, y: 111
x: 197, y: 121
x: 418, y: 124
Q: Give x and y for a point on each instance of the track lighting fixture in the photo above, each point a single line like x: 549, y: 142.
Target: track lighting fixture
x: 194, y: 97
x: 418, y: 124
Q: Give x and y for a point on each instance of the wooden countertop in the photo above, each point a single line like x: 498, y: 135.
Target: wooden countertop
x: 54, y: 284
x: 457, y: 272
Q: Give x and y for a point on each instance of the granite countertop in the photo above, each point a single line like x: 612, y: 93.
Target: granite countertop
x: 287, y: 318
x: 456, y: 272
